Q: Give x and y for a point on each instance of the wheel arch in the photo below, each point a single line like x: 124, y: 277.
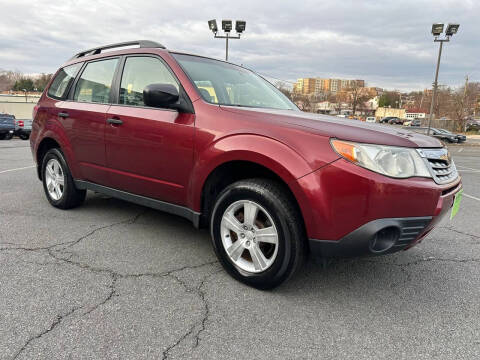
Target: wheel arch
x: 215, y: 169
x: 52, y: 140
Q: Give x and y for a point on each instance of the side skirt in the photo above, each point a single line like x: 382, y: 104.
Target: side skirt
x: 182, y: 211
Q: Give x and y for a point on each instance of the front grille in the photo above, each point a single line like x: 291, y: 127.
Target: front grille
x: 441, y: 166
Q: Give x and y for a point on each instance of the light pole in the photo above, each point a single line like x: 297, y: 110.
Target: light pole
x: 437, y: 30
x: 227, y: 27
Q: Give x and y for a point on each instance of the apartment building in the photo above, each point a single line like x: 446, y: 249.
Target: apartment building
x: 305, y: 86
x: 310, y: 86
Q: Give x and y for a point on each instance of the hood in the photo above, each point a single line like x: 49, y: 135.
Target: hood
x: 341, y: 128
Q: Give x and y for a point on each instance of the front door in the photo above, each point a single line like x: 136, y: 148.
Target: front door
x: 149, y: 151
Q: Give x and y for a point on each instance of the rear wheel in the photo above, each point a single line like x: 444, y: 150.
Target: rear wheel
x: 24, y: 136
x: 58, y: 182
x: 257, y: 233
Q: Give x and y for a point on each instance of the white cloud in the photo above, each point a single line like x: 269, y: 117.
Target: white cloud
x: 385, y: 42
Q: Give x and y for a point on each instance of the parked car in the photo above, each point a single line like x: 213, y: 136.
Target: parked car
x: 391, y: 120
x: 450, y: 138
x: 7, y: 126
x: 23, y: 128
x: 460, y: 137
x: 416, y: 122
x: 370, y: 119
x: 271, y: 182
x: 473, y: 125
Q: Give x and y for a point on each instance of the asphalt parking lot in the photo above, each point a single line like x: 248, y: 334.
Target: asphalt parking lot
x: 119, y: 281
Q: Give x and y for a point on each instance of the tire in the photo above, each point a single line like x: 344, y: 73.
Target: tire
x: 276, y: 214
x: 8, y: 136
x: 68, y: 196
x: 24, y: 136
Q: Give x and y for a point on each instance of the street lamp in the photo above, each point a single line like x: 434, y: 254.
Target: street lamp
x: 227, y: 26
x: 437, y: 30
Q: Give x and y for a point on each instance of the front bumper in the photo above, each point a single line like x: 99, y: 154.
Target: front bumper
x: 377, y: 237
x: 353, y: 211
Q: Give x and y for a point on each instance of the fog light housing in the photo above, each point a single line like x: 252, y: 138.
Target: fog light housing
x: 384, y: 239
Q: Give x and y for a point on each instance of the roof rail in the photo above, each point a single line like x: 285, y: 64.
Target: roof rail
x: 98, y: 50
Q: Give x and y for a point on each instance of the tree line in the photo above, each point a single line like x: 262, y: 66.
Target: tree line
x: 458, y: 104
x: 17, y: 81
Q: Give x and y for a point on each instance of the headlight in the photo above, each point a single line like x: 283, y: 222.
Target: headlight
x: 398, y: 162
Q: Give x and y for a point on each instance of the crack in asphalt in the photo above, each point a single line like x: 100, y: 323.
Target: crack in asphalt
x: 418, y: 261
x: 459, y: 232
x: 199, y: 324
x: 53, y: 325
x: 68, y: 244
x: 56, y: 250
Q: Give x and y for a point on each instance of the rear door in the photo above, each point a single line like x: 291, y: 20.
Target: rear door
x: 149, y: 151
x: 84, y: 115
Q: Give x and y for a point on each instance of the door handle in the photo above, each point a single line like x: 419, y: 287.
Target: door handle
x: 114, y: 121
x: 63, y: 115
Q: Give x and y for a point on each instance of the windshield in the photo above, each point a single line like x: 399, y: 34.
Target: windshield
x: 222, y: 83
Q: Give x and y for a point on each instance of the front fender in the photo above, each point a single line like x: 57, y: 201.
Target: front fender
x: 270, y: 153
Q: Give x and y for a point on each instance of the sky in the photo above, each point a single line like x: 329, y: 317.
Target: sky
x: 386, y: 43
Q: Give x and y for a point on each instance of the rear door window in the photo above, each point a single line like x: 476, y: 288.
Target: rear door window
x: 62, y: 82
x: 95, y: 83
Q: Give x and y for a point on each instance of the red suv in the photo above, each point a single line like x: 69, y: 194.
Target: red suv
x: 219, y: 145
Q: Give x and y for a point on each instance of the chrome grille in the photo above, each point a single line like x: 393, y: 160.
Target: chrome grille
x: 439, y: 163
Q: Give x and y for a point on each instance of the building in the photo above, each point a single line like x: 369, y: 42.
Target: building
x: 382, y: 112
x: 310, y: 86
x: 305, y: 86
x: 19, y: 105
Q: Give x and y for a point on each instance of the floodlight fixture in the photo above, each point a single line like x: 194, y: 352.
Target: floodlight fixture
x: 212, y: 24
x: 240, y: 26
x: 452, y: 29
x: 437, y: 29
x: 227, y: 25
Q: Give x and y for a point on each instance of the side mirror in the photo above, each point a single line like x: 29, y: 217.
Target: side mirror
x: 160, y: 95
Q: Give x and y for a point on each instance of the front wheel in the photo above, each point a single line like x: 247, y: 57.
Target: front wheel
x: 58, y: 182
x: 257, y: 233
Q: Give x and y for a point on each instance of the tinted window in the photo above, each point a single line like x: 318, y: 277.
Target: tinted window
x: 63, y: 80
x: 140, y: 72
x: 95, y: 82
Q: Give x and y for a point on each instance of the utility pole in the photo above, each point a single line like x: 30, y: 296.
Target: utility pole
x: 463, y: 102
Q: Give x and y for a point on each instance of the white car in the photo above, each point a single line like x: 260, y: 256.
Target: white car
x: 370, y: 119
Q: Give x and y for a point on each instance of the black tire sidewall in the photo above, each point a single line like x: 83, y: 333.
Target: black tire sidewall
x: 56, y: 154
x: 278, y: 271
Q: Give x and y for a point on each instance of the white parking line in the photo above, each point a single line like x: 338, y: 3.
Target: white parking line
x: 466, y: 167
x: 469, y: 171
x: 471, y: 197
x: 22, y: 168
